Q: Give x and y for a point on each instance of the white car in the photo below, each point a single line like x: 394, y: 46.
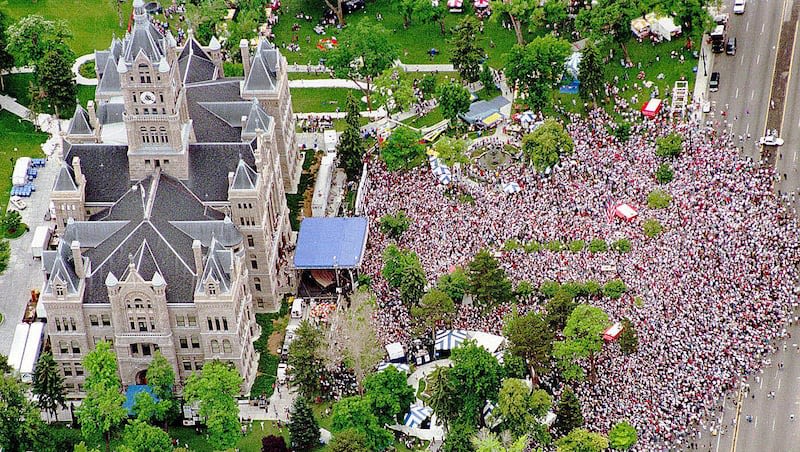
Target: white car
x: 738, y: 6
x: 17, y: 202
x: 282, y: 373
x: 771, y: 140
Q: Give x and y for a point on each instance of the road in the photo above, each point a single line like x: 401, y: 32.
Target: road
x: 746, y: 78
x: 786, y: 164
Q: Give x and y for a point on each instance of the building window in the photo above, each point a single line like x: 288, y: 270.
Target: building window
x: 72, y: 323
x: 187, y: 365
x: 226, y: 346
x: 93, y: 320
x: 210, y: 324
x: 75, y: 347
x: 180, y: 320
x: 96, y: 340
x: 142, y: 323
x: 260, y: 302
x: 254, y: 264
x: 216, y: 323
x: 132, y: 323
x: 110, y: 340
x: 134, y: 349
x: 257, y: 284
x: 105, y: 319
x: 225, y: 323
x: 198, y: 365
x: 192, y: 320
x: 214, y: 346
x: 58, y: 325
x: 250, y: 242
x: 67, y: 369
x: 78, y: 370
x: 195, y: 342
x: 62, y: 346
x: 184, y: 342
x: 146, y: 349
x: 60, y: 290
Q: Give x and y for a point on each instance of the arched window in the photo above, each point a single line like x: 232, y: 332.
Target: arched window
x: 163, y: 137
x: 145, y: 136
x: 75, y: 347
x: 214, y: 346
x: 226, y: 346
x: 257, y: 284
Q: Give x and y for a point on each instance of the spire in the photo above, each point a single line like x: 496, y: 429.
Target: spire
x: 214, y: 44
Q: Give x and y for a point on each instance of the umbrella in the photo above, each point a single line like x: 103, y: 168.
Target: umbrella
x: 416, y: 415
x: 481, y: 3
x: 445, y: 179
x: 440, y: 170
x: 450, y: 339
x: 399, y: 366
x: 490, y: 420
x: 511, y: 187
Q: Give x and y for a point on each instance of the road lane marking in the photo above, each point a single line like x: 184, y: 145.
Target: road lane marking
x: 755, y: 424
x: 747, y: 27
x: 760, y: 386
x: 741, y: 60
x: 747, y: 130
x: 752, y: 94
x: 737, y: 93
x: 762, y: 28
x: 773, y: 425
x: 779, y: 383
x: 758, y: 59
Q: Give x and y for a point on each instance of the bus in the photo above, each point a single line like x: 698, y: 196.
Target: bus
x: 18, y: 346
x: 32, y: 348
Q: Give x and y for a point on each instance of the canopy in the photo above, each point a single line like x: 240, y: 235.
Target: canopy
x: 130, y: 395
x: 330, y: 242
x: 445, y: 179
x: 626, y: 212
x: 440, y: 170
x: 450, y: 339
x: 454, y: 3
x: 481, y: 3
x: 395, y: 351
x: 399, y: 366
x: 416, y: 415
x: 492, y: 119
x: 511, y: 187
x: 491, y: 342
x: 613, y: 332
x: 499, y: 356
x: 651, y: 108
x: 488, y: 409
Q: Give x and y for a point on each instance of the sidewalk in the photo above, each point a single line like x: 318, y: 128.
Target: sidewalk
x: 10, y: 104
x: 704, y: 68
x: 79, y: 79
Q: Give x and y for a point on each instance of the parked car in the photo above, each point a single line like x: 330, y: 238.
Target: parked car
x: 282, y: 373
x: 738, y: 6
x: 713, y: 84
x: 730, y: 47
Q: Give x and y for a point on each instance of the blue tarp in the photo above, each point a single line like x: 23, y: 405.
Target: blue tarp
x: 130, y: 395
x: 570, y: 88
x: 331, y: 242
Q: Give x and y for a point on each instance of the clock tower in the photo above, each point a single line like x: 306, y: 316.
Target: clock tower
x: 156, y: 118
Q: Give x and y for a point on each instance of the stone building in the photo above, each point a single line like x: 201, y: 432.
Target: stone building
x: 170, y: 207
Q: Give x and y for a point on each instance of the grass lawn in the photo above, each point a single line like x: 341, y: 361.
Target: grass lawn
x: 313, y: 100
x: 17, y: 85
x: 433, y: 117
x: 92, y: 22
x: 413, y: 44
x: 18, y: 138
x: 85, y: 94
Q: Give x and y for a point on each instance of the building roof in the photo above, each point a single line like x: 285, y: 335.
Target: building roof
x: 79, y: 124
x: 244, y: 178
x: 209, y: 165
x: 263, y: 69
x: 484, y: 108
x: 103, y: 165
x: 109, y: 83
x: 216, y: 110
x: 331, y: 242
x: 195, y: 65
x: 64, y: 179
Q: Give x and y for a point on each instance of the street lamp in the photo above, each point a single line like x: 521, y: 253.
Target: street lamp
x: 703, y: 54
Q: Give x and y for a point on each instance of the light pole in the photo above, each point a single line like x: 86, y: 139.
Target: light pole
x: 703, y: 54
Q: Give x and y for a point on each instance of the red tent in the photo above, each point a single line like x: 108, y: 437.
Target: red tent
x: 625, y: 212
x: 651, y: 108
x: 613, y: 332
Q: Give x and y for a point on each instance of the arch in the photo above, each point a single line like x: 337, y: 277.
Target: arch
x: 214, y: 346
x: 141, y: 377
x: 226, y: 346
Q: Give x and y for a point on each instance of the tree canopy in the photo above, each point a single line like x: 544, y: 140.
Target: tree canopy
x: 622, y: 436
x: 488, y: 281
x: 389, y: 394
x: 216, y: 389
x: 20, y: 420
x: 537, y: 68
x: 355, y: 413
x: 141, y: 437
x: 591, y: 73
x: 544, y: 146
x: 403, y: 271
x: 455, y: 284
x: 435, y: 308
x: 582, y: 339
x: 454, y: 100
x: 403, y: 150
x: 476, y: 374
x: 452, y: 150
x: 30, y: 38
x: 48, y: 385
x: 467, y: 55
x: 531, y: 338
x: 568, y: 413
x: 351, y: 144
x: 581, y: 440
x: 305, y: 359
x: 303, y: 427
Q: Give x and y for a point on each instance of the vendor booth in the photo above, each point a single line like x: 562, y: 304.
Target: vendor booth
x: 652, y: 108
x: 613, y: 332
x: 625, y: 212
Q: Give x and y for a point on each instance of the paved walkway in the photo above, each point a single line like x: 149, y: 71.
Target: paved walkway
x: 9, y: 103
x: 324, y: 83
x: 79, y: 79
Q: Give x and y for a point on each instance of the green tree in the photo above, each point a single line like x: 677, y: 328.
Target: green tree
x: 622, y: 132
x: 581, y: 440
x: 443, y: 395
x: 216, y: 389
x: 12, y: 221
x: 487, y: 441
x: 459, y: 438
x: 5, y: 368
x: 488, y: 281
x: 669, y: 146
x: 435, y: 308
x: 452, y: 151
x: 559, y: 308
x: 363, y: 53
x: 303, y: 428
x: 609, y: 20
x: 582, y: 339
x: 467, y: 55
x: 576, y: 246
x: 101, y: 410
x: 518, y: 11
x: 614, y: 288
x: 20, y: 419
x: 428, y: 85
x: 388, y: 394
x: 568, y: 413
x: 204, y: 16
x: 48, y: 385
x: 537, y: 68
x: 658, y: 199
x: 273, y: 443
x: 515, y: 407
x: 305, y: 359
x: 487, y: 78
x: 628, y: 339
x: 142, y: 437
x: 392, y: 91
x: 544, y: 146
x: 355, y: 413
x: 622, y: 436
x: 477, y: 375
x: 530, y: 338
x: 351, y: 144
x: 403, y: 150
x: 403, y: 271
x: 101, y: 366
x: 161, y: 379
x: 455, y: 284
x: 350, y: 440
x: 395, y: 225
x: 664, y: 174
x: 621, y: 245
x: 598, y: 246
x: 454, y: 100
x: 590, y: 70
x: 652, y: 227
x: 33, y: 36
x: 6, y: 59
x: 429, y: 12
x: 406, y: 9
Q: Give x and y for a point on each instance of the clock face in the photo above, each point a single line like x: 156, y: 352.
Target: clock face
x: 148, y: 97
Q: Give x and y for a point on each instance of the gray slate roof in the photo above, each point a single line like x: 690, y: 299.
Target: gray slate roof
x: 195, y: 65
x: 109, y: 84
x: 65, y: 181
x: 263, y: 70
x: 105, y: 167
x: 244, y: 178
x: 209, y: 165
x: 79, y: 124
x: 110, y: 112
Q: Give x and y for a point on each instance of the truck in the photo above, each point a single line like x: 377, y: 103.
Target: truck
x: 718, y: 39
x: 31, y: 311
x: 33, y: 345
x: 18, y: 346
x: 20, y: 175
x: 40, y: 241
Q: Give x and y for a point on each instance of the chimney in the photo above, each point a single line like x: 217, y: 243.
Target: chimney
x: 244, y: 48
x: 92, y: 114
x: 230, y: 178
x: 77, y: 257
x: 198, y: 257
x: 76, y: 168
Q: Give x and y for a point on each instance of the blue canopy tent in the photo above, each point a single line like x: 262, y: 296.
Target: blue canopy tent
x: 130, y: 396
x: 417, y: 415
x: 450, y: 339
x: 331, y: 243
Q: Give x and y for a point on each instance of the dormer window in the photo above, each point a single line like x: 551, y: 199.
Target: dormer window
x: 211, y: 288
x: 144, y: 74
x: 60, y: 289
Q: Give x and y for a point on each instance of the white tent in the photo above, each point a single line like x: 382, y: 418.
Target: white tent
x: 399, y: 366
x: 663, y: 27
x: 416, y: 415
x: 572, y: 64
x: 450, y: 339
x: 395, y: 351
x: 511, y: 187
x: 491, y: 342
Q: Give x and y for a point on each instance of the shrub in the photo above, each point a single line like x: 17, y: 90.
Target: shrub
x: 664, y: 174
x: 598, y: 246
x: 395, y: 225
x: 549, y: 288
x: 554, y: 245
x: 532, y: 247
x: 652, y: 227
x: 622, y: 132
x: 638, y: 302
x: 5, y: 254
x: 614, y: 288
x: 658, y: 199
x: 573, y: 288
x: 364, y: 280
x: 577, y: 246
x: 524, y: 289
x: 591, y: 287
x: 621, y: 245
x: 669, y: 146
x: 511, y: 245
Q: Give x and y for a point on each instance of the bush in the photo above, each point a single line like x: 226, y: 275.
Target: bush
x: 395, y: 225
x: 532, y: 247
x: 5, y: 254
x: 652, y: 227
x: 621, y: 245
x: 591, y: 287
x: 524, y: 289
x: 576, y: 246
x: 669, y: 146
x: 664, y: 174
x: 622, y: 132
x: 598, y: 246
x: 549, y: 288
x: 364, y: 280
x: 658, y: 199
x: 554, y: 245
x: 614, y: 288
x: 573, y: 288
x: 638, y: 302
x: 511, y: 245
x: 87, y: 69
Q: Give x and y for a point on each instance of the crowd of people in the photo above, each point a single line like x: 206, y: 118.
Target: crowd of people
x: 716, y: 286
